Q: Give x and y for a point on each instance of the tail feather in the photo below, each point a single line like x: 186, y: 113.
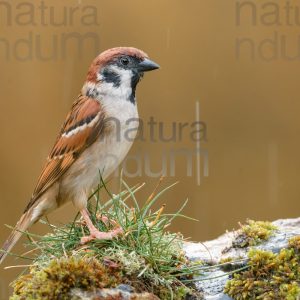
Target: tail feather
x: 24, y: 222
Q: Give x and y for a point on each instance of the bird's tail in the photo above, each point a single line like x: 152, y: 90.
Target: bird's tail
x: 24, y: 222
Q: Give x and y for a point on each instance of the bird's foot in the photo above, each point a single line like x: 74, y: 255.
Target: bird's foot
x: 96, y: 234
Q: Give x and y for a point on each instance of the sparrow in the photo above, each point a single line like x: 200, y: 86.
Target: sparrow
x: 95, y: 137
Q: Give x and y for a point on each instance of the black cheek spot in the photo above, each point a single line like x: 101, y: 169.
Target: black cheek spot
x: 111, y: 77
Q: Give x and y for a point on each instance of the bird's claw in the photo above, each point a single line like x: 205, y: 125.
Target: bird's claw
x: 107, y: 221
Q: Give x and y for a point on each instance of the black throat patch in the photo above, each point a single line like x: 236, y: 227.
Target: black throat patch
x: 136, y: 77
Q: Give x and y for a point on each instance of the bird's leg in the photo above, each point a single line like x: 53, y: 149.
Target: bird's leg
x: 94, y: 232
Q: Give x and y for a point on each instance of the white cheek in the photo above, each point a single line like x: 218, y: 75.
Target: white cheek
x: 126, y: 76
x: 123, y: 91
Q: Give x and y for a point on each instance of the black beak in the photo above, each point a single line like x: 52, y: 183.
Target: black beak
x: 147, y: 65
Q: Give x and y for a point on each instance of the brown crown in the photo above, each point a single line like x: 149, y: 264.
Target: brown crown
x: 109, y: 55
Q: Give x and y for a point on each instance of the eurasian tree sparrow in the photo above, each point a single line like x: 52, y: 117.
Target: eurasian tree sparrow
x: 91, y: 140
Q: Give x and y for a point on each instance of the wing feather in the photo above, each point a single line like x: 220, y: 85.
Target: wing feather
x: 83, y: 125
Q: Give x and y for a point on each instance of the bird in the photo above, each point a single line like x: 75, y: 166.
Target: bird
x: 96, y: 136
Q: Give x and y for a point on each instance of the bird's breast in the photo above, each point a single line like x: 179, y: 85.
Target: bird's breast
x: 107, y: 152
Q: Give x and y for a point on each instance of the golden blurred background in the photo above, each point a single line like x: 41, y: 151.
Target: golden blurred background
x: 233, y: 64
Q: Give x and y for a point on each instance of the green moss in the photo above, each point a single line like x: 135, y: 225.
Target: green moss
x: 62, y: 275
x: 253, y: 233
x: 225, y: 260
x: 57, y: 280
x: 294, y: 243
x: 226, y: 264
x: 270, y: 276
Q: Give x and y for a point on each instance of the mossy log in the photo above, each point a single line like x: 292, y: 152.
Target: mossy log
x: 261, y: 260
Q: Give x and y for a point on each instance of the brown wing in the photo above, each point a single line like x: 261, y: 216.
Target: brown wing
x: 83, y: 125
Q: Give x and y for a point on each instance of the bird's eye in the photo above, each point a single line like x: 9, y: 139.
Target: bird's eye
x: 124, y: 61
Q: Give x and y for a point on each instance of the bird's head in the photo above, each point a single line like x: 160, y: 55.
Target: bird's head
x: 116, y: 73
